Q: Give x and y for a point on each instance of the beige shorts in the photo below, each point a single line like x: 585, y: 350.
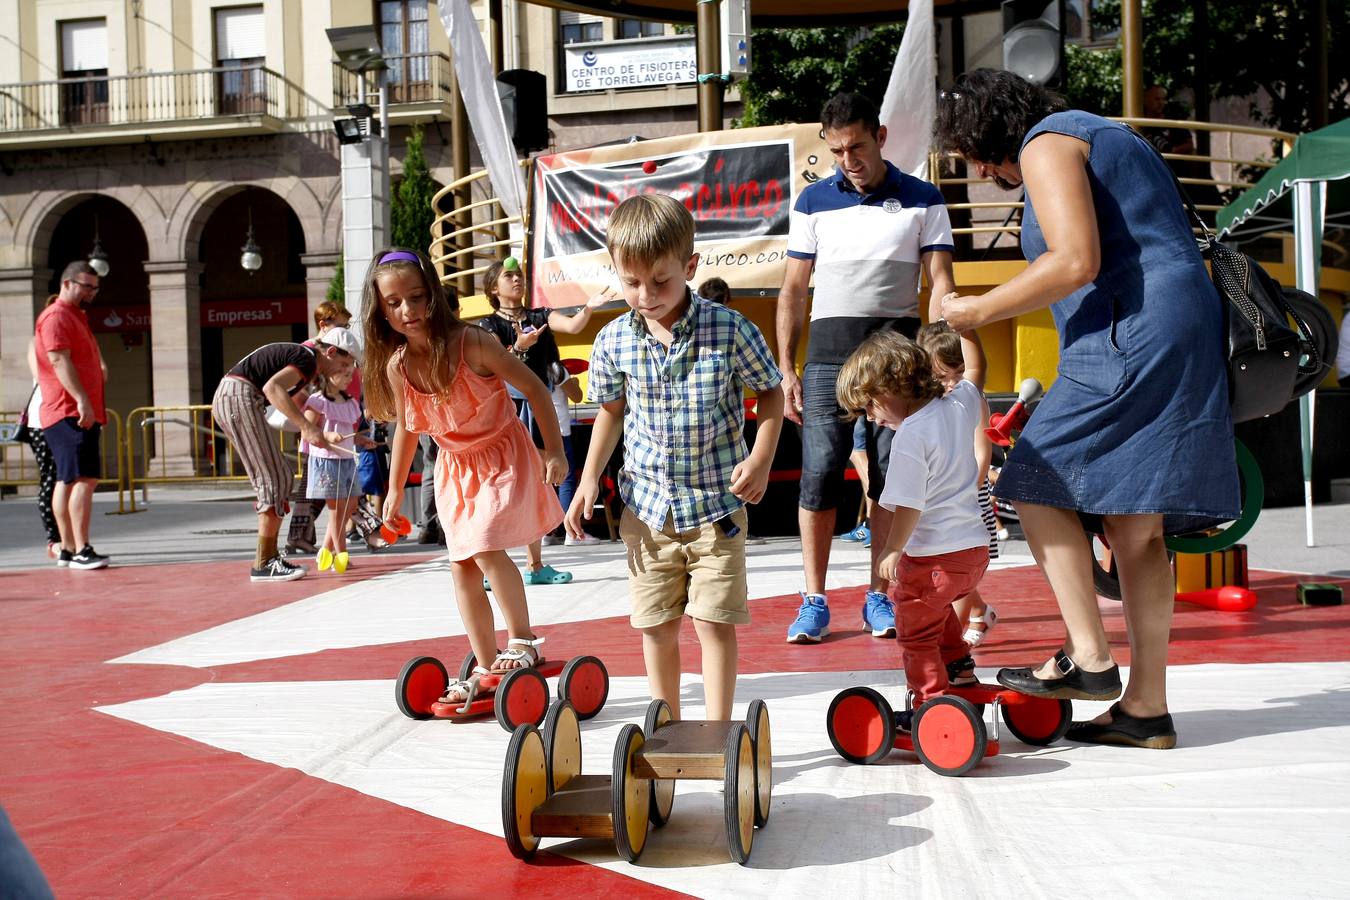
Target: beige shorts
x: 699, y: 572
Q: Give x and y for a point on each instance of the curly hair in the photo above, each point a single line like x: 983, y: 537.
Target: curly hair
x: 886, y: 362
x: 986, y: 113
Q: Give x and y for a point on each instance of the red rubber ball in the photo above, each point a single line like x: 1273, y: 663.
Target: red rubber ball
x: 649, y: 167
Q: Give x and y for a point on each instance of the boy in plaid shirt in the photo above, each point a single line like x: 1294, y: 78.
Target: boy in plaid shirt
x: 670, y: 378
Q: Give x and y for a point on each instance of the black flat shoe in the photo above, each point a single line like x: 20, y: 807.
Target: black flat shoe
x: 1125, y: 730
x: 1076, y: 684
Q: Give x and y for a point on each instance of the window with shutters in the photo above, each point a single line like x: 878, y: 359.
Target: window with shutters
x: 404, y: 40
x: 241, y: 51
x: 84, y: 72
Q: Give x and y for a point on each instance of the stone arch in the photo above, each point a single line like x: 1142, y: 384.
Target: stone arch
x: 38, y: 219
x: 203, y: 196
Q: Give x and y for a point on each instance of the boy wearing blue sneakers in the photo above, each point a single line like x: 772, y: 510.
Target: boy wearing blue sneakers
x: 670, y: 378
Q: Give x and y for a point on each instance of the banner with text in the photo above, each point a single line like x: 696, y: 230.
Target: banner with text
x: 739, y: 186
x: 623, y: 64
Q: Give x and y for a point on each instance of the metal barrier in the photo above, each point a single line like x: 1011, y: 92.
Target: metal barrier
x: 211, y: 457
x: 18, y: 467
x: 454, y: 252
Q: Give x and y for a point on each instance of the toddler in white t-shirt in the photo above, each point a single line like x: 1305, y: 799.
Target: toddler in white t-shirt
x: 938, y: 548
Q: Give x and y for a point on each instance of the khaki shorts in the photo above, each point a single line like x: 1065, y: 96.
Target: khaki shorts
x: 699, y: 572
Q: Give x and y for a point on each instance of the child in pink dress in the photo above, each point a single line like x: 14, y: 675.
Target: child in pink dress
x: 431, y: 373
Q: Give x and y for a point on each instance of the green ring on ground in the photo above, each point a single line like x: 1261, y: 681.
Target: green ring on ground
x: 1253, y: 494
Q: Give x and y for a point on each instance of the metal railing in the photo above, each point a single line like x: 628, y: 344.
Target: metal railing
x: 209, y: 456
x: 18, y: 466
x: 456, y: 245
x: 411, y: 78
x: 142, y: 99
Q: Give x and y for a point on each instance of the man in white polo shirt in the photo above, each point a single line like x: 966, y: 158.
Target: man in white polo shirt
x: 867, y: 230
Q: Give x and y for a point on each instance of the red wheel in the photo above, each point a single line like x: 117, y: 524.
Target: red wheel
x: 421, y: 683
x: 522, y: 699
x: 861, y: 725
x: 466, y: 667
x: 584, y: 682
x: 1038, y: 721
x: 949, y: 735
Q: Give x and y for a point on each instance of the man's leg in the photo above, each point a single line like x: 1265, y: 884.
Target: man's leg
x: 61, y: 510
x: 81, y: 508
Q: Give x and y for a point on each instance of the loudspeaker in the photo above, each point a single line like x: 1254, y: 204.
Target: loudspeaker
x: 1033, y: 40
x: 524, y: 96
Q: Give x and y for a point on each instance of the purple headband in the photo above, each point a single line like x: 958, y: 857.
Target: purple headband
x: 399, y: 256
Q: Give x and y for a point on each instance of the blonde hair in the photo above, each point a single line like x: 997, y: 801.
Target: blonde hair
x: 942, y: 344
x: 886, y: 362
x: 382, y: 341
x: 648, y: 228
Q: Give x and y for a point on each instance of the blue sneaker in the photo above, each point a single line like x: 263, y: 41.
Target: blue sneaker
x: 879, y: 615
x: 860, y: 535
x: 813, y: 621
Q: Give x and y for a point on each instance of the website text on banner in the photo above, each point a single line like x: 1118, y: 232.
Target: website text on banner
x: 739, y: 186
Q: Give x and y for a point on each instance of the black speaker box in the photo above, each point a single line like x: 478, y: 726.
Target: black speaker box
x: 524, y: 96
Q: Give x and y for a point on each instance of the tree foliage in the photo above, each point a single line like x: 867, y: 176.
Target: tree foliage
x: 798, y: 69
x: 412, y: 213
x: 337, y: 285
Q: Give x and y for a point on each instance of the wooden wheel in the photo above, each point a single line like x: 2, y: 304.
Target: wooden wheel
x: 562, y: 744
x: 949, y: 735
x: 861, y: 725
x: 757, y: 721
x: 524, y: 789
x: 522, y: 698
x: 585, y: 683
x: 631, y: 796
x: 1038, y: 721
x: 466, y: 667
x: 421, y: 683
x: 662, y: 789
x: 739, y: 810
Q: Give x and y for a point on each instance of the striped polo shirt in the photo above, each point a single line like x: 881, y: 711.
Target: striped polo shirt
x: 867, y: 250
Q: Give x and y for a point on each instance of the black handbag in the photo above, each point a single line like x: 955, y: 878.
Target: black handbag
x: 1269, y: 363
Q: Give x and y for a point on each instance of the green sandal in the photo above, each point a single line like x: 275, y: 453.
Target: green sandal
x: 546, y: 575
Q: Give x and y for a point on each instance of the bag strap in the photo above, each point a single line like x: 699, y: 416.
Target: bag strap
x: 23, y: 416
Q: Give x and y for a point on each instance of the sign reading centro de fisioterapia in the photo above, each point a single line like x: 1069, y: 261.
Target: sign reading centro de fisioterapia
x: 732, y: 192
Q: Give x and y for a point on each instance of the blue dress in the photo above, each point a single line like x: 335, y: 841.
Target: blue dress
x: 1137, y: 420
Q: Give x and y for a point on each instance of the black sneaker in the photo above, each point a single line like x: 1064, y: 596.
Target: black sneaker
x: 87, y: 559
x: 64, y: 557
x: 276, y: 569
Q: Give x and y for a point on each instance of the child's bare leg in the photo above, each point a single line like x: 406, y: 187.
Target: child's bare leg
x: 962, y: 606
x: 661, y: 653
x: 341, y: 513
x: 475, y: 611
x: 509, y: 590
x: 534, y: 556
x: 718, y: 641
x: 332, y: 529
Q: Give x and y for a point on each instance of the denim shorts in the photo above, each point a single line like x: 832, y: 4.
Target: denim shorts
x: 828, y: 439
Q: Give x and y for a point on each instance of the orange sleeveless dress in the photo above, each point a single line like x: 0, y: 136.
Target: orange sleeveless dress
x: 490, y: 488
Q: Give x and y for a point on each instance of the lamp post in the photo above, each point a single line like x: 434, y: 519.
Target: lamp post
x: 364, y: 148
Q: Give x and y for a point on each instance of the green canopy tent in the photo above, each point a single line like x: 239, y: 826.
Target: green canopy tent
x: 1307, y: 191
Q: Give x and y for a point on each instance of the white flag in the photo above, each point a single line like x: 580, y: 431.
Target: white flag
x: 909, y: 106
x: 478, y: 87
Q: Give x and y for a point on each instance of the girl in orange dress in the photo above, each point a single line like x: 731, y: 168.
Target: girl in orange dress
x: 431, y: 373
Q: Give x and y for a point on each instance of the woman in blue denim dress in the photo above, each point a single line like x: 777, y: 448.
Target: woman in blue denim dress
x: 1134, y: 438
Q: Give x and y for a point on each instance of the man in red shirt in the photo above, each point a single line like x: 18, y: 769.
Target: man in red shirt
x: 71, y: 374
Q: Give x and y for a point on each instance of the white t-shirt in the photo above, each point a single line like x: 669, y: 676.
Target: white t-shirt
x: 561, y: 408
x: 932, y: 469
x: 35, y: 408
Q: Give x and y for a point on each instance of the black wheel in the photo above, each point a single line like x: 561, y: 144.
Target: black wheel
x: 522, y: 698
x: 662, y: 789
x: 466, y: 667
x: 739, y: 802
x: 949, y: 735
x: 584, y: 682
x: 1038, y: 721
x: 630, y: 796
x: 562, y: 744
x: 1105, y: 578
x: 861, y: 725
x: 524, y: 789
x: 421, y: 683
x: 757, y: 722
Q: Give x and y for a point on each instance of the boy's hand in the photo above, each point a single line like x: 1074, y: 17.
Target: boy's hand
x: 583, y: 505
x: 393, y: 502
x: 749, y: 480
x: 888, y: 565
x: 555, y: 467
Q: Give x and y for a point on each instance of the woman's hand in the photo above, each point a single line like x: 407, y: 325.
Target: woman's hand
x: 962, y: 313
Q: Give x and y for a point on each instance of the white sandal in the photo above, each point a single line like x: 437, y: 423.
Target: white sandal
x: 467, y: 687
x: 974, y: 636
x: 526, y: 659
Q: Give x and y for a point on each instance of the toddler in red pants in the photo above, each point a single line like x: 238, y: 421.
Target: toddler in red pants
x: 938, y: 548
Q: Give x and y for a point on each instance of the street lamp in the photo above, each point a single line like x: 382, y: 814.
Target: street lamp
x: 251, y: 257
x: 98, y: 260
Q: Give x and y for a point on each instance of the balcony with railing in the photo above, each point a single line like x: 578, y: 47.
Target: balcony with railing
x: 113, y: 108
x: 419, y: 81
